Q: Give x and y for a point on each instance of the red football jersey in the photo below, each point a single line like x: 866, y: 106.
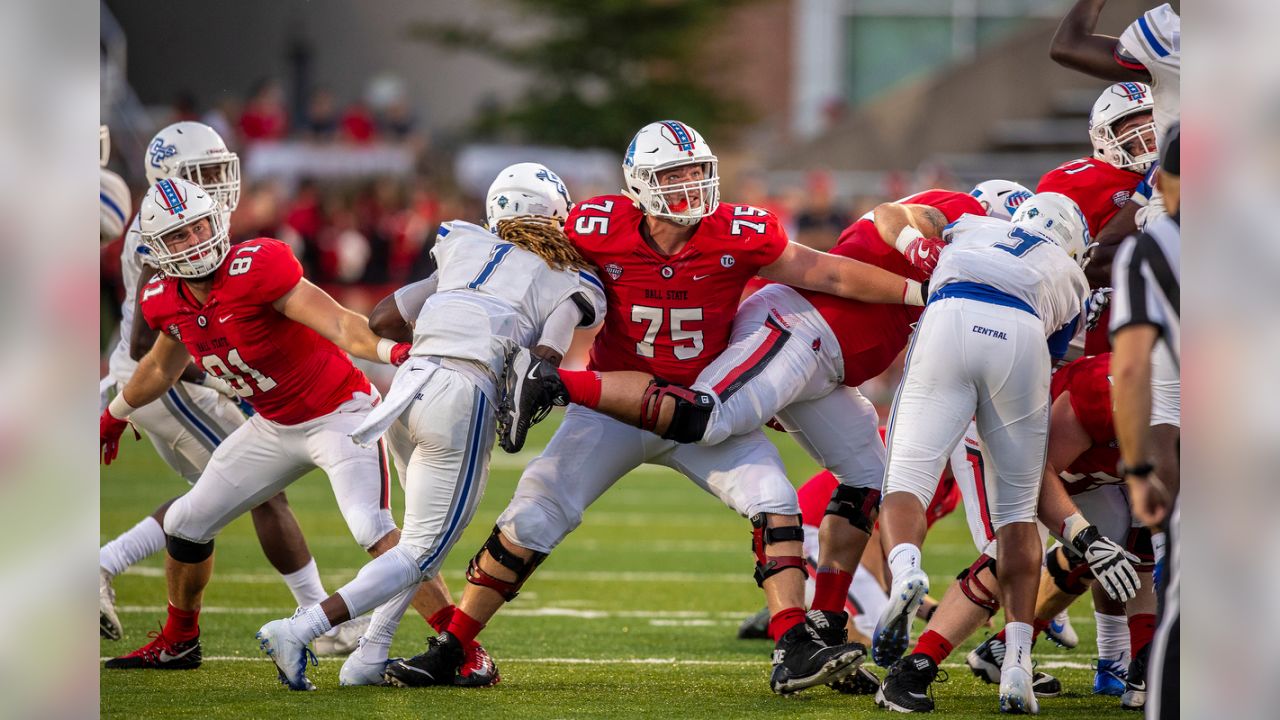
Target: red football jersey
x: 285, y: 370
x: 1089, y: 382
x: 670, y: 316
x: 871, y: 334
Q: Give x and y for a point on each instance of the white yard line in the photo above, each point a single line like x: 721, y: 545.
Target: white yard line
x: 344, y: 574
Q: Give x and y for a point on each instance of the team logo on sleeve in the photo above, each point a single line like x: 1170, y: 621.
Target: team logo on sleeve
x: 614, y: 270
x: 727, y: 261
x: 173, y: 330
x: 1121, y: 198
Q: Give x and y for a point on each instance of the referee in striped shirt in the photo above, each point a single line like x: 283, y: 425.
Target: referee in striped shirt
x: 1144, y: 311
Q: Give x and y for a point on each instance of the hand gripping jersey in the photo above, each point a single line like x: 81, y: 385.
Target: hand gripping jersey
x: 493, y: 296
x: 1027, y: 266
x: 872, y: 334
x: 285, y: 370
x: 670, y: 316
x: 1089, y: 382
x: 1100, y: 189
x: 1154, y: 42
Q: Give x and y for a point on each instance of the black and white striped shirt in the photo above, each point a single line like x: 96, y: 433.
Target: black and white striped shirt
x: 1146, y: 278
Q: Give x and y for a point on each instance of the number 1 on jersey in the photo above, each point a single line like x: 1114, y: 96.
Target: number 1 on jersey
x: 236, y: 378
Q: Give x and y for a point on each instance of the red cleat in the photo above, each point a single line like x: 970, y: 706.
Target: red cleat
x: 163, y: 654
x: 477, y: 668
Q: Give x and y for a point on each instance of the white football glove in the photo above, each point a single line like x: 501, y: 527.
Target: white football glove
x: 222, y: 386
x: 1110, y: 563
x: 1099, y: 299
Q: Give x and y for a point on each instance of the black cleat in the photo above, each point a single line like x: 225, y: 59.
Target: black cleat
x: 755, y: 627
x: 906, y: 687
x: 986, y: 660
x: 437, y: 666
x: 801, y: 660
x: 860, y: 682
x: 160, y: 654
x: 1135, y: 684
x: 533, y: 387
x: 830, y: 627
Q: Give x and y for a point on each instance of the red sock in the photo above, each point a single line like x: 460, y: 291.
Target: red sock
x: 583, y: 386
x: 784, y: 620
x: 1141, y: 629
x: 1038, y: 626
x: 831, y: 589
x: 182, y: 625
x: 934, y: 645
x: 439, y: 620
x: 1000, y: 636
x: 464, y: 627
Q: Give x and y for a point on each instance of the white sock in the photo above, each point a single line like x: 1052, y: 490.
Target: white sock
x: 377, y: 639
x: 138, y: 542
x: 902, y: 558
x: 380, y: 580
x: 310, y: 623
x: 1017, y: 646
x: 1113, y: 637
x: 305, y: 585
x: 866, y: 593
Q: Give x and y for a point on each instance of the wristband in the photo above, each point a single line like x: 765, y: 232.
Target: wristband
x: 120, y: 409
x: 1141, y: 470
x: 1072, y: 526
x: 906, y: 237
x: 913, y: 294
x: 385, y: 347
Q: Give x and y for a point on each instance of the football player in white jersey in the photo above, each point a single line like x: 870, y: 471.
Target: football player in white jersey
x: 114, y: 201
x: 999, y: 290
x: 194, y: 416
x: 519, y: 283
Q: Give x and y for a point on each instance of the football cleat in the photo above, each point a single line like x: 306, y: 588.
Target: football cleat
x: 1016, y: 694
x: 288, y: 652
x: 108, y: 621
x: 437, y: 666
x: 800, y: 661
x: 478, y: 669
x: 1135, y: 686
x: 357, y: 670
x: 893, y: 631
x: 533, y: 387
x: 906, y: 687
x: 160, y: 654
x: 830, y: 627
x: 985, y: 660
x: 1110, y: 677
x: 755, y: 627
x: 859, y: 682
x: 1061, y: 633
x: 343, y: 639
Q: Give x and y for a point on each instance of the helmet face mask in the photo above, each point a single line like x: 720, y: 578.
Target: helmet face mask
x: 184, y: 229
x: 1135, y: 147
x: 104, y: 145
x: 1058, y: 218
x: 652, y: 168
x: 219, y: 176
x: 194, y: 151
x: 527, y: 190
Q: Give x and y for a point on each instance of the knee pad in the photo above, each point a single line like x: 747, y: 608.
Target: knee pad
x: 1140, y: 543
x: 186, y: 551
x: 508, y: 589
x: 1069, y: 572
x: 974, y: 589
x: 857, y: 505
x: 763, y: 535
x: 692, y: 411
x: 368, y: 527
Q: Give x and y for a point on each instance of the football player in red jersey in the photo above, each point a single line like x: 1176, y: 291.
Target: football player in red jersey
x: 1078, y: 442
x: 248, y: 316
x: 675, y: 261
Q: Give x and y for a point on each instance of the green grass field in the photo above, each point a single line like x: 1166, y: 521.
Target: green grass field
x: 634, y: 615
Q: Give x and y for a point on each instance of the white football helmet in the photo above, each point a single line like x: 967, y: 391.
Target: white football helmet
x: 1058, y: 218
x: 115, y: 203
x: 104, y: 145
x: 1115, y: 104
x: 194, y: 151
x: 1000, y: 198
x: 174, y: 203
x: 526, y: 189
x: 662, y: 146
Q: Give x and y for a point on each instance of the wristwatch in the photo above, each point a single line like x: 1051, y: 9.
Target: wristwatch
x: 1141, y: 470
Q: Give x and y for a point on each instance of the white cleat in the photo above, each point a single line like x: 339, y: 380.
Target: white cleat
x: 288, y: 652
x: 108, y: 621
x: 1061, y: 632
x: 359, y: 671
x: 1017, y: 696
x: 893, y: 631
x: 344, y: 639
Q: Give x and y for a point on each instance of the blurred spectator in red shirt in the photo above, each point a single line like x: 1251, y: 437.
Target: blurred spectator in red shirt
x: 357, y: 124
x: 265, y: 116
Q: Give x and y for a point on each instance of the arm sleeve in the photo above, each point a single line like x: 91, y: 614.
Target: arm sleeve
x: 557, y: 331
x: 590, y: 298
x: 411, y: 297
x: 1061, y: 340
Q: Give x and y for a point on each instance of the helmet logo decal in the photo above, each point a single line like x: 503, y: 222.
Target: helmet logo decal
x: 683, y: 137
x: 1133, y: 91
x: 171, y: 197
x: 502, y: 201
x: 630, y: 159
x: 159, y: 151
x: 1015, y: 199
x: 551, y: 177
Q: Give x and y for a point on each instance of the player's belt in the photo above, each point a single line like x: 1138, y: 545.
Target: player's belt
x: 981, y: 293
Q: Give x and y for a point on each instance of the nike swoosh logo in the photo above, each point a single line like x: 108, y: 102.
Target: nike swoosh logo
x: 226, y: 317
x: 923, y: 253
x: 533, y: 373
x: 166, y: 657
x: 699, y: 277
x: 406, y: 666
x: 920, y: 696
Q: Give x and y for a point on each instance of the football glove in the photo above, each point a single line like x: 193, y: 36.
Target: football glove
x: 110, y: 428
x: 923, y: 254
x: 1099, y: 299
x: 1110, y: 563
x: 400, y: 353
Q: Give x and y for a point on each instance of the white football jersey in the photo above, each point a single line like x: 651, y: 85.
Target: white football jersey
x: 132, y: 259
x: 1028, y: 266
x: 493, y: 296
x: 1155, y: 40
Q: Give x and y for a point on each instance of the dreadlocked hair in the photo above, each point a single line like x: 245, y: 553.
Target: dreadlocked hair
x: 543, y: 237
